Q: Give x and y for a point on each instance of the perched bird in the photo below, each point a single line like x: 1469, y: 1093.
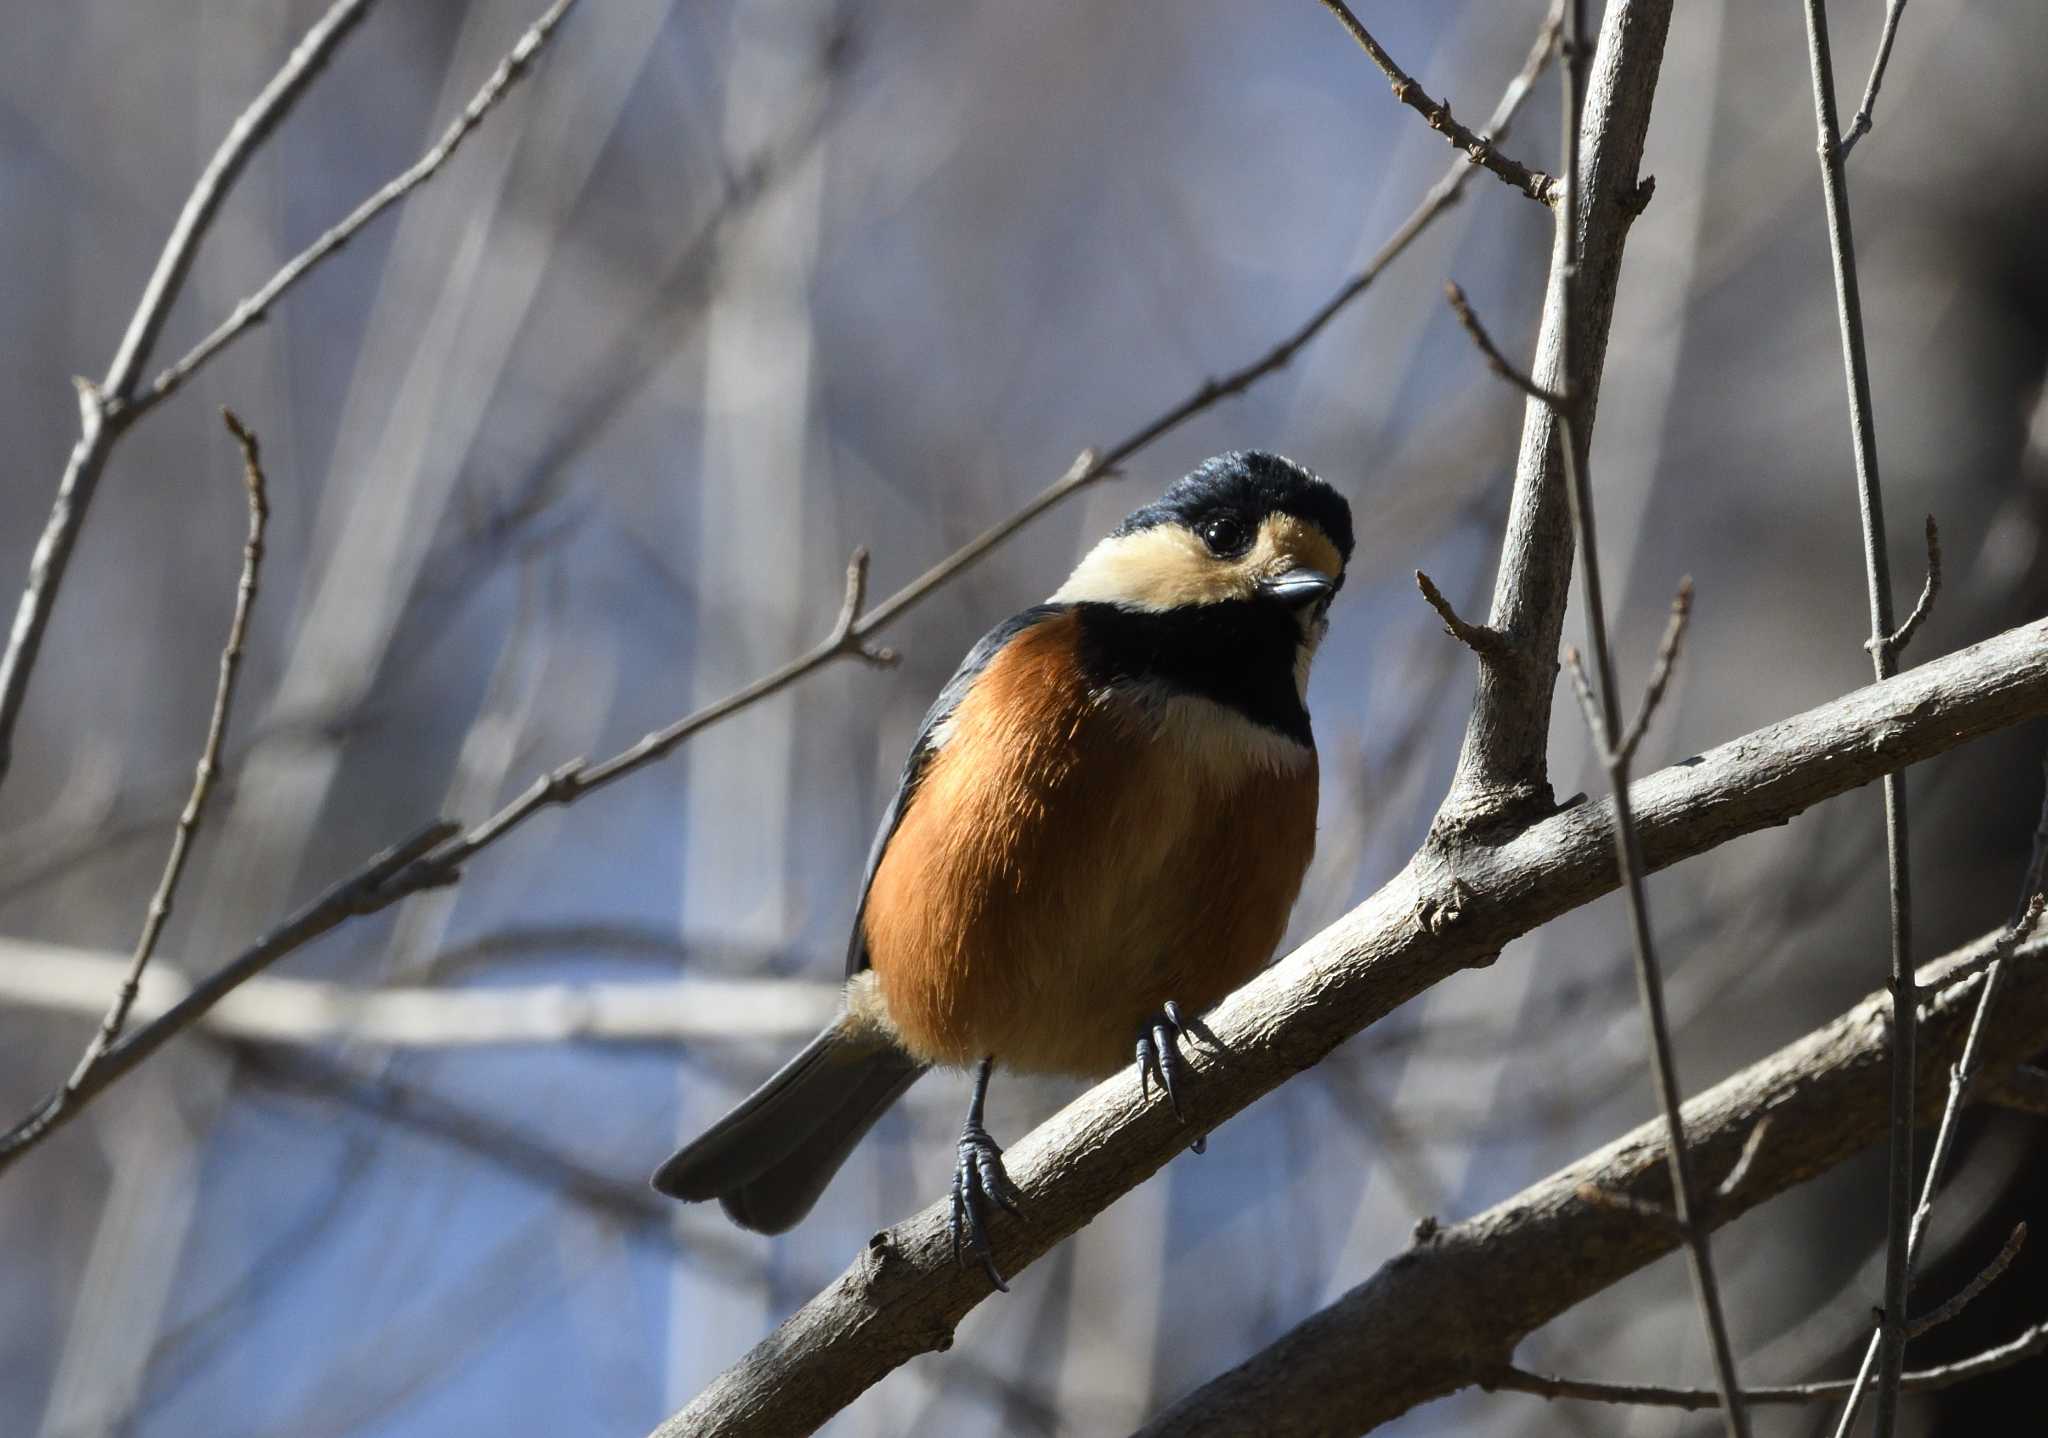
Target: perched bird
x: 1099, y: 833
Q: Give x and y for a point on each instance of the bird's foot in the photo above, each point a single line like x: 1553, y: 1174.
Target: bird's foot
x: 979, y: 1178
x: 1159, y: 1055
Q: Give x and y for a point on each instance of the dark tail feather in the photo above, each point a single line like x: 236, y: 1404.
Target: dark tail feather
x: 769, y: 1159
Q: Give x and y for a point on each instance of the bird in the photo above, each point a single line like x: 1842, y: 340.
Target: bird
x: 1100, y: 831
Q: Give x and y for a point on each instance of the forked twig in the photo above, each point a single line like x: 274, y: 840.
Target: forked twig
x: 1498, y: 362
x: 1865, y: 116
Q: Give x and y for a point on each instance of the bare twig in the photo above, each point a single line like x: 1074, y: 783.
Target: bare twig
x: 1660, y: 671
x: 207, y: 770
x: 1731, y: 1186
x: 102, y: 405
x: 2014, y: 935
x: 253, y: 309
x: 904, y: 1297
x: 1899, y: 638
x: 1877, y: 573
x: 1479, y: 149
x: 2030, y: 1344
x: 1498, y: 362
x: 1653, y: 691
x: 1487, y: 643
x: 1860, y: 126
x: 1986, y: 1276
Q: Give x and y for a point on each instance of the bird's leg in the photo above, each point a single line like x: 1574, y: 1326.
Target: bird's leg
x: 978, y: 1178
x: 1159, y: 1055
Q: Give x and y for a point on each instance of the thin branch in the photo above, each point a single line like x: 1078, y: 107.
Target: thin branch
x: 1987, y: 1276
x: 1877, y: 574
x: 1496, y: 361
x: 1731, y: 1186
x: 2014, y: 935
x: 1660, y: 671
x: 1589, y: 706
x: 1653, y: 691
x: 1618, y: 750
x: 209, y: 759
x: 1479, y: 149
x: 1865, y: 118
x: 2027, y: 1345
x: 905, y: 1296
x: 208, y: 768
x: 1487, y: 643
x: 1899, y: 638
x: 253, y: 309
x: 98, y: 402
x: 2030, y: 1344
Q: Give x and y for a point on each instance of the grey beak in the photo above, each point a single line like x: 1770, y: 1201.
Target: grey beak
x: 1299, y: 587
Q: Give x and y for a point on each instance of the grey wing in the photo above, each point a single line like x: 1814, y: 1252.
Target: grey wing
x: 921, y: 750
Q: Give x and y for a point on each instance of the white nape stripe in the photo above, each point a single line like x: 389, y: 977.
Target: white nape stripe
x: 1216, y: 740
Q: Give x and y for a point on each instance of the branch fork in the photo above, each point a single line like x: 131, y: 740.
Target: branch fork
x: 1490, y: 644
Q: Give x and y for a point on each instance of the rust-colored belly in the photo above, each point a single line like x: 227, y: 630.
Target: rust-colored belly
x: 1064, y: 871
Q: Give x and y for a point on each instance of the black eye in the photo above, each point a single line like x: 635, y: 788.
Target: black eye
x: 1224, y: 535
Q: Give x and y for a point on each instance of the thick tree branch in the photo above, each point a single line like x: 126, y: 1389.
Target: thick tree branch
x: 1489, y: 1281
x: 1450, y: 908
x: 1502, y: 777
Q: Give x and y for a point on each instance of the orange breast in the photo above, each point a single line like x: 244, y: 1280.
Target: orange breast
x: 1068, y: 865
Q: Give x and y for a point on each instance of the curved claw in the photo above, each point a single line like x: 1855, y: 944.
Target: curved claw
x: 1158, y: 1054
x: 979, y: 1178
